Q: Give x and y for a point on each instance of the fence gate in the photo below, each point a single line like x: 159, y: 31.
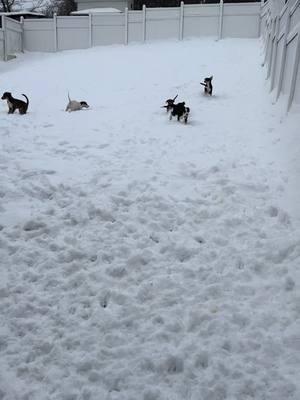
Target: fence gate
x: 11, y: 38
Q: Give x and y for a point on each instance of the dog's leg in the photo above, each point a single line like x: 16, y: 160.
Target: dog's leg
x: 170, y: 117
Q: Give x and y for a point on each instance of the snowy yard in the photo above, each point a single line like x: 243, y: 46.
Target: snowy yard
x: 141, y: 258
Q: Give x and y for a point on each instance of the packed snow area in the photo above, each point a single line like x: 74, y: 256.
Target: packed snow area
x: 142, y: 258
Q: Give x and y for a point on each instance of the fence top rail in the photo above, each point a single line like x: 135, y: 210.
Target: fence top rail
x: 14, y: 21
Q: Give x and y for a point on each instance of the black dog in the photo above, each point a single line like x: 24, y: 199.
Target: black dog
x: 169, y: 103
x: 14, y: 104
x: 181, y: 111
x: 208, y: 87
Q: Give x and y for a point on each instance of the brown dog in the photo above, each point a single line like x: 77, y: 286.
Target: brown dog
x: 14, y: 104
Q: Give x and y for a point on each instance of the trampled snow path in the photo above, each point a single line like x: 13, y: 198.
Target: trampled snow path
x: 142, y: 259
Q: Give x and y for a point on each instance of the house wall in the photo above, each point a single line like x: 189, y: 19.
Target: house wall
x: 119, y: 4
x: 280, y: 27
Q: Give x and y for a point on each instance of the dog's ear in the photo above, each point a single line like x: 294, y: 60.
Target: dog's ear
x: 211, y: 78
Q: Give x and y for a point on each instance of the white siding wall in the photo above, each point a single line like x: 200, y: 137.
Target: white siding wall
x: 119, y: 4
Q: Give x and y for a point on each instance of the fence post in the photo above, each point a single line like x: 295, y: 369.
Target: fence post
x: 296, y: 70
x: 55, y: 31
x: 283, y: 57
x: 181, y: 16
x: 22, y: 34
x: 126, y: 25
x: 144, y: 22
x: 90, y: 31
x: 273, y: 67
x: 3, y: 21
x: 220, y: 33
x: 273, y: 32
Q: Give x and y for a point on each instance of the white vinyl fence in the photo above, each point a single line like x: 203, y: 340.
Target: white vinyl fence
x: 79, y: 32
x: 11, y: 37
x: 280, y: 24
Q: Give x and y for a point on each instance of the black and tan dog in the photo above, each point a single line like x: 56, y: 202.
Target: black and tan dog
x: 208, y: 87
x: 180, y: 111
x: 15, y: 104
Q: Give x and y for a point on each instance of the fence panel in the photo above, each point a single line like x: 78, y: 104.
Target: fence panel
x: 108, y: 29
x: 288, y: 68
x: 162, y: 23
x: 295, y: 16
x: 1, y: 44
x: 297, y: 87
x: 201, y: 21
x: 39, y: 35
x: 135, y: 26
x: 72, y: 33
x: 13, y: 36
x: 240, y: 20
x: 284, y: 66
x: 277, y: 61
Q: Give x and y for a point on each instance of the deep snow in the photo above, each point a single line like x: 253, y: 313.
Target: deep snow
x: 142, y: 258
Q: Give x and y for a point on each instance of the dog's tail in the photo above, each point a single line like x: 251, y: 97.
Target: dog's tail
x: 69, y: 96
x: 175, y: 97
x: 27, y: 101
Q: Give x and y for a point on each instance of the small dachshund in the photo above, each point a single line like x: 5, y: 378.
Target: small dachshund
x: 14, y: 104
x: 208, y: 87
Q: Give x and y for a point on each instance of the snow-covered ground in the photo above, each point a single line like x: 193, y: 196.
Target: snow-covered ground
x: 141, y: 258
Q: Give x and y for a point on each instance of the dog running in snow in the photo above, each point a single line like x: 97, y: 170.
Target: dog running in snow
x: 208, y: 87
x: 180, y: 111
x: 169, y: 103
x: 75, y: 105
x: 15, y: 104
